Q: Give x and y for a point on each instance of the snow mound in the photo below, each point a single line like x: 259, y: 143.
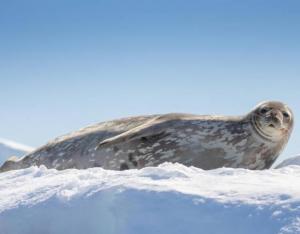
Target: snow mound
x: 10, y: 148
x: 290, y: 161
x: 170, y: 198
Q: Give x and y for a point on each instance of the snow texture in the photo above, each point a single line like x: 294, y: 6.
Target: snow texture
x: 10, y: 148
x: 290, y: 161
x: 170, y: 198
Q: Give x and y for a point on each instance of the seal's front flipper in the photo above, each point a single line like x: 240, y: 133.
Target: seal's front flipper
x: 117, y: 139
x: 150, y: 131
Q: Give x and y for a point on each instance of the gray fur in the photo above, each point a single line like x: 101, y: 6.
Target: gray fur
x: 206, y: 142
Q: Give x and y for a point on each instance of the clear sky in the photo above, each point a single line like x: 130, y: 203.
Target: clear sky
x: 66, y: 64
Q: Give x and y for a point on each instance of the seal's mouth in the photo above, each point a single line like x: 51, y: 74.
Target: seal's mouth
x: 272, y: 125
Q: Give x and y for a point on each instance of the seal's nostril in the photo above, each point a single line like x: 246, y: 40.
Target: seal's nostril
x: 274, y: 114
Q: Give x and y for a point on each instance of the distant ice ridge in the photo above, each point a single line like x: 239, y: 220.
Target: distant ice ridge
x: 290, y: 161
x: 10, y: 148
x: 170, y: 198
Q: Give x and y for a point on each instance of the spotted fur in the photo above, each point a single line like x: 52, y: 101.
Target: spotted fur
x: 206, y: 142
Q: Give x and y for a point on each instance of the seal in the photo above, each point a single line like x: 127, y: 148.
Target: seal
x: 252, y: 141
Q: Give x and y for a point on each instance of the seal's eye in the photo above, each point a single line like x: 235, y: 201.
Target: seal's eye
x: 285, y: 114
x: 263, y: 110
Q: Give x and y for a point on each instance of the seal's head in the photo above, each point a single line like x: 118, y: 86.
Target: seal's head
x: 272, y: 120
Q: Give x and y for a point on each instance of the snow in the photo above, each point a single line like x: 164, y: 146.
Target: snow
x: 10, y: 148
x: 290, y: 161
x: 170, y: 198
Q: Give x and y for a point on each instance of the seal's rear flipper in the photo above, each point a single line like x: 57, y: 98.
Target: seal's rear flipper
x: 9, y: 164
x: 13, y: 158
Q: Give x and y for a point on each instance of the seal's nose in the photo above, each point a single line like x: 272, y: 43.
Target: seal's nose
x: 276, y: 116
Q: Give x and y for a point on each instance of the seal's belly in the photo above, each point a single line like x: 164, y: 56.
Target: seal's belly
x: 202, y: 152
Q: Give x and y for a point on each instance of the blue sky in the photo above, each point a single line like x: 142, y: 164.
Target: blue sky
x: 66, y: 64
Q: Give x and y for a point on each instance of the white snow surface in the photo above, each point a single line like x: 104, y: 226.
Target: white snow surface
x: 290, y: 161
x: 10, y: 148
x: 170, y: 198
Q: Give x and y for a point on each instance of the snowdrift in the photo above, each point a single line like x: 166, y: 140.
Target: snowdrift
x: 171, y: 198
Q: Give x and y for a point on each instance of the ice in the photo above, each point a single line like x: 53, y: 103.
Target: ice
x: 289, y: 162
x: 10, y: 148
